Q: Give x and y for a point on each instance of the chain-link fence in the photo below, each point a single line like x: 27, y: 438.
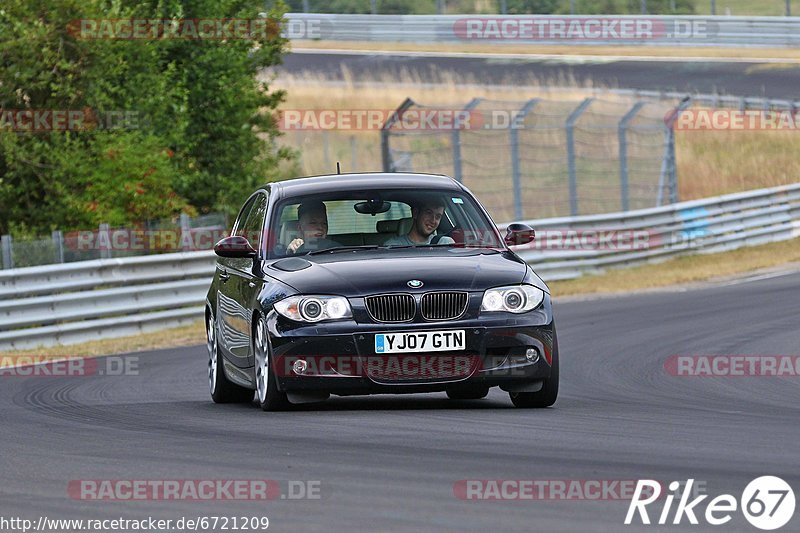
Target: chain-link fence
x: 182, y: 233
x: 545, y: 158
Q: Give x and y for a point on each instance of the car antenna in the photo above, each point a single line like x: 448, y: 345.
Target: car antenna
x: 338, y: 168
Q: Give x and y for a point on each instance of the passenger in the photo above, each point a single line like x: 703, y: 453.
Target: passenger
x: 312, y: 222
x: 424, y: 223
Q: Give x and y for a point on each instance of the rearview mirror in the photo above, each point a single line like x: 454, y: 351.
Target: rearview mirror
x: 519, y: 234
x: 234, y: 246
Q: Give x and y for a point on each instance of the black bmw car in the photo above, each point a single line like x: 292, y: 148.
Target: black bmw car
x: 376, y: 283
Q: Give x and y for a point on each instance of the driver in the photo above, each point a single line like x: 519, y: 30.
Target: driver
x: 425, y: 220
x: 312, y: 223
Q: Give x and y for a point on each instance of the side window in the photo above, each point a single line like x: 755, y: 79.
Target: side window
x: 253, y: 226
x: 240, y: 220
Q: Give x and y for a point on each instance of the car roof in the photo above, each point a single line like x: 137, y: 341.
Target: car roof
x: 362, y: 181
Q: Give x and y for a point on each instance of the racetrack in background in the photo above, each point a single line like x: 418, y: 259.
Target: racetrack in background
x: 690, y: 76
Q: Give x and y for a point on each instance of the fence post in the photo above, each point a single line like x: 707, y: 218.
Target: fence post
x: 104, y: 237
x: 515, y: 164
x: 186, y: 229
x: 669, y: 169
x: 386, y: 154
x: 8, y: 257
x: 573, y: 173
x: 58, y: 246
x: 623, y: 153
x: 456, y: 141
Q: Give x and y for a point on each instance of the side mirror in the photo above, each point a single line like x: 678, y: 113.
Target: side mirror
x: 234, y: 246
x: 519, y: 234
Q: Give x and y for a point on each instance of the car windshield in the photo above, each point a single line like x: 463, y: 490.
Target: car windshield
x: 380, y: 219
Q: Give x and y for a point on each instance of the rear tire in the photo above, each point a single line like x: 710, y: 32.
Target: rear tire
x: 221, y: 388
x: 267, y: 394
x: 468, y: 394
x: 549, y: 392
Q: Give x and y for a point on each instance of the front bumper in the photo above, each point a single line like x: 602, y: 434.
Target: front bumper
x: 340, y: 357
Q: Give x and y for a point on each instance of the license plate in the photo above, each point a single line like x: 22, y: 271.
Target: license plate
x: 420, y: 341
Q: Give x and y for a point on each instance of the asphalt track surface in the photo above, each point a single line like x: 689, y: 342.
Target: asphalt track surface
x: 389, y: 463
x: 740, y: 79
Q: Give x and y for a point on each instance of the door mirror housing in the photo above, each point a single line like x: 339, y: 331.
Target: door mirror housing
x: 234, y: 246
x: 519, y: 234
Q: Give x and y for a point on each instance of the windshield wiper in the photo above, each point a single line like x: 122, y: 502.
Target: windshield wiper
x: 337, y: 249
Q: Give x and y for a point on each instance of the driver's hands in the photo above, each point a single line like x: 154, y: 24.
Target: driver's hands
x: 294, y: 245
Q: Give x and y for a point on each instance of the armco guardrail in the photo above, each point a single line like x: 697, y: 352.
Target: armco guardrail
x: 77, y: 302
x: 91, y: 300
x: 573, y: 246
x: 549, y: 29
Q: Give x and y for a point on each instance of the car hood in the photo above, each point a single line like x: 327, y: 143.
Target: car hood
x: 362, y: 274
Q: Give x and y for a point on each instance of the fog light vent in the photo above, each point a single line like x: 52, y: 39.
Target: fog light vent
x: 300, y: 366
x: 532, y: 355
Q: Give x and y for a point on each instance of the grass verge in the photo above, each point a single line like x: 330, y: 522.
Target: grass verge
x: 682, y: 270
x: 190, y: 335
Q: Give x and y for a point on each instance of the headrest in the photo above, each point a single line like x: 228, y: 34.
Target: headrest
x: 398, y: 227
x: 289, y: 232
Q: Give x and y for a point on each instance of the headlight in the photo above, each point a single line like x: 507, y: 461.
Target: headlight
x: 314, y: 308
x: 512, y: 299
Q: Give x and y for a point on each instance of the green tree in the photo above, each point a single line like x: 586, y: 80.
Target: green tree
x: 201, y: 136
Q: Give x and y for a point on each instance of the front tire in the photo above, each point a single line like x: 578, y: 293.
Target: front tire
x: 267, y: 394
x: 221, y: 388
x: 549, y: 392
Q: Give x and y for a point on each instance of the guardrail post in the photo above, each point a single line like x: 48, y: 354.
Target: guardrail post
x: 104, y: 241
x: 515, y: 164
x: 573, y: 173
x: 623, y: 153
x: 456, y: 142
x: 8, y: 257
x: 186, y: 229
x: 386, y: 154
x: 58, y: 246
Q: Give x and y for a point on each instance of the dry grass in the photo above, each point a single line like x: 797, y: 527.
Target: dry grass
x: 709, y: 162
x: 721, y: 162
x: 682, y: 270
x: 190, y: 335
x: 790, y: 54
x: 359, y: 150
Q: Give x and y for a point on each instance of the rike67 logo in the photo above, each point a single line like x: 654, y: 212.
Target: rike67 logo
x: 767, y: 502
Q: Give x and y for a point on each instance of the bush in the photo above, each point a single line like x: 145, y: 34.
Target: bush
x: 197, y: 135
